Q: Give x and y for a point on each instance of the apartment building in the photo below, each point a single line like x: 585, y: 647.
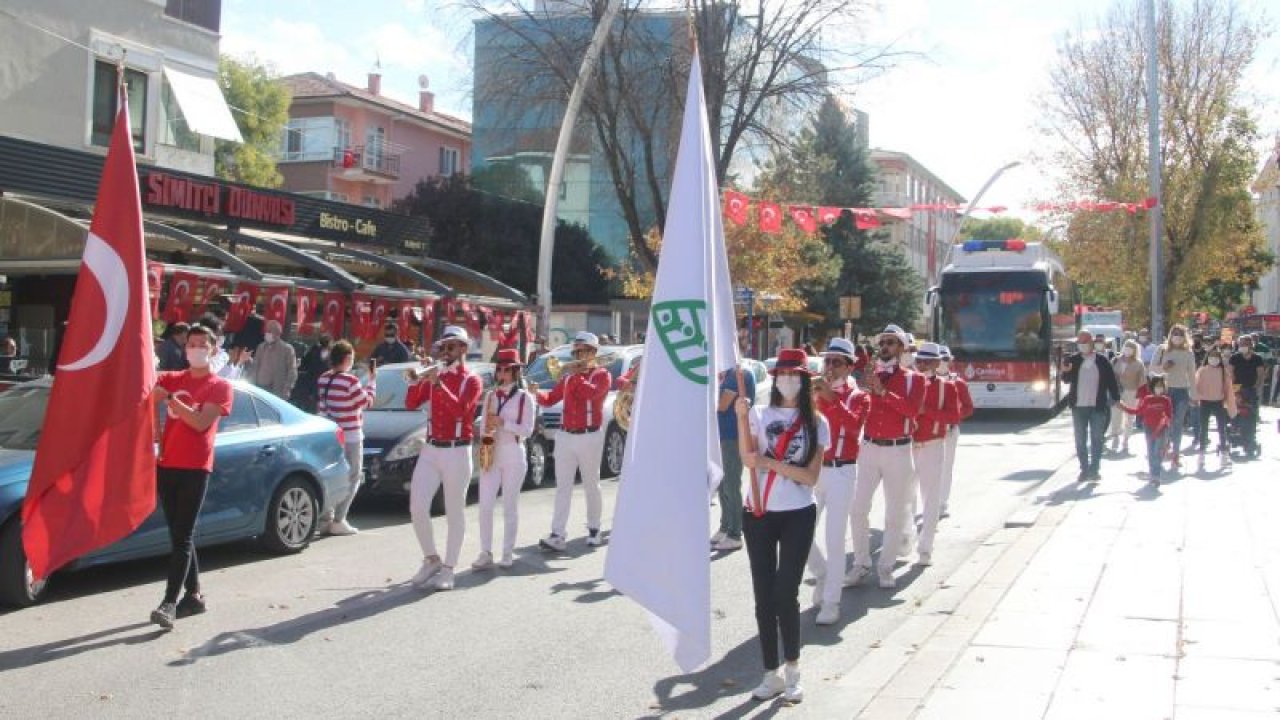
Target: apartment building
x: 902, y: 182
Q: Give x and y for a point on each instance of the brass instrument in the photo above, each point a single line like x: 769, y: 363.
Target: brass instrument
x: 557, y: 367
x: 488, y: 445
x: 413, y: 375
x: 623, y: 403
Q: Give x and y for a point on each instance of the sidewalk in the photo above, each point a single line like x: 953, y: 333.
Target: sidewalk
x: 1114, y: 601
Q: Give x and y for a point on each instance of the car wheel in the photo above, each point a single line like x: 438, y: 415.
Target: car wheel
x: 292, y: 516
x: 539, y: 458
x: 18, y: 588
x: 615, y: 448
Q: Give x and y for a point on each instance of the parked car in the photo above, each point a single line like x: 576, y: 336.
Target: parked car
x: 764, y: 381
x: 277, y: 470
x: 394, y: 435
x: 617, y: 359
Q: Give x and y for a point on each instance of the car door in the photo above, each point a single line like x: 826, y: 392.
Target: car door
x: 240, y: 458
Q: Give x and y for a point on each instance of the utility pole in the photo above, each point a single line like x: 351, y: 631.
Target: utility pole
x: 1154, y: 159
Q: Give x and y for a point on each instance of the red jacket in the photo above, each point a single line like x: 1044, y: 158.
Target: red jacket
x: 893, y: 415
x: 1155, y: 410
x: 583, y: 395
x: 846, y: 416
x: 453, y: 403
x: 939, y: 411
x: 966, y: 400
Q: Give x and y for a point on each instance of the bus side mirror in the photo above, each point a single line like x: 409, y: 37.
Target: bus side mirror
x: 931, y: 298
x: 1052, y: 296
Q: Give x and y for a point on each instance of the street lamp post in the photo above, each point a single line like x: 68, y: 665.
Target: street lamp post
x: 951, y: 243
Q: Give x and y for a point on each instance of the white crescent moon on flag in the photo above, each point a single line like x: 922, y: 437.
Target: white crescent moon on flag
x: 304, y: 309
x: 284, y: 305
x: 181, y: 290
x: 109, y: 270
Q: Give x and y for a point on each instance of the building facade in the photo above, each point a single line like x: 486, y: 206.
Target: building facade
x: 1266, y: 190
x: 356, y: 145
x: 55, y: 91
x: 902, y: 182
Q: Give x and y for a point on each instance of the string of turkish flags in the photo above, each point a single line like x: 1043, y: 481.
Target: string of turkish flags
x: 769, y: 215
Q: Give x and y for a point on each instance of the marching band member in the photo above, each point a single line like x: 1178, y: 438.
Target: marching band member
x: 845, y: 407
x: 939, y: 411
x: 451, y: 392
x: 896, y: 396
x: 580, y: 440
x: 953, y: 434
x: 510, y: 416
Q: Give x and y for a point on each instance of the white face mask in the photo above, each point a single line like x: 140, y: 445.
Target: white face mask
x: 1144, y: 339
x: 269, y: 337
x: 1099, y: 346
x: 198, y: 357
x: 1215, y: 361
x: 1159, y: 391
x: 1130, y: 352
x: 324, y: 354
x: 1178, y: 340
x: 788, y: 386
x: 1085, y: 348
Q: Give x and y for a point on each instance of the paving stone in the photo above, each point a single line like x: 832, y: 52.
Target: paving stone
x: 1229, y: 683
x: 1255, y: 640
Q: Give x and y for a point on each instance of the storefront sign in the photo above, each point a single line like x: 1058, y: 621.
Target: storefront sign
x: 215, y: 200
x: 358, y: 226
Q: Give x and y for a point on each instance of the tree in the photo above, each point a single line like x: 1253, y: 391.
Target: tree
x: 1212, y: 245
x: 498, y: 236
x: 261, y: 110
x: 997, y: 228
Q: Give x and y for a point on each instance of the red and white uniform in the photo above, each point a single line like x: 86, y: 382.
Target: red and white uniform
x: 579, y: 442
x: 939, y: 411
x: 446, y: 456
x: 953, y: 434
x: 836, y: 482
x: 886, y: 457
x: 518, y: 410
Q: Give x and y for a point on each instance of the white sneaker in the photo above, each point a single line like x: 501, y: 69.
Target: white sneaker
x: 924, y: 558
x: 553, y: 542
x: 771, y: 686
x: 444, y: 581
x: 426, y: 572
x: 792, y: 693
x: 886, y: 579
x: 341, y: 528
x: 715, y: 539
x: 506, y: 561
x: 856, y: 575
x: 817, y: 590
x: 829, y: 614
x: 1200, y: 463
x: 483, y: 561
x: 727, y: 544
x: 594, y: 537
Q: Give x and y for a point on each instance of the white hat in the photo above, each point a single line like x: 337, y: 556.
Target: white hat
x: 911, y: 340
x: 946, y: 352
x: 929, y: 351
x: 586, y: 338
x: 894, y: 332
x: 840, y: 346
x: 453, y: 332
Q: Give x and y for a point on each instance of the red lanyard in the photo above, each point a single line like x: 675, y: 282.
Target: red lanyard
x: 779, y: 452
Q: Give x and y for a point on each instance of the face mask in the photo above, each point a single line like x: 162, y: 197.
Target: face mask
x: 269, y: 337
x: 788, y: 386
x: 198, y: 357
x: 1144, y: 339
x: 324, y: 354
x: 1178, y: 340
x: 1215, y: 361
x: 1129, y: 352
x: 1099, y: 346
x: 1084, y: 348
x: 390, y: 339
x: 1158, y: 391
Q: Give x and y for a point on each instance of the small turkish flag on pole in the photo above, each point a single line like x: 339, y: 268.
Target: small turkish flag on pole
x: 94, y: 476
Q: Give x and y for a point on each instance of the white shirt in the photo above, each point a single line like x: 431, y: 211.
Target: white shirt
x: 518, y: 414
x: 767, y: 425
x: 1087, y: 381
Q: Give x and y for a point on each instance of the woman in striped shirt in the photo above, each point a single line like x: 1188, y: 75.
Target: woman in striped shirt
x: 342, y: 399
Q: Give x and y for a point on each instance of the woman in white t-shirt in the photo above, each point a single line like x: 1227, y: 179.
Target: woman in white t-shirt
x: 783, y: 445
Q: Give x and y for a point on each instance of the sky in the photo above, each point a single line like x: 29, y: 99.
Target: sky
x: 968, y: 104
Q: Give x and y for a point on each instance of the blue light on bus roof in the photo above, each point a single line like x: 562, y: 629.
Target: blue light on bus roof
x: 1015, y: 244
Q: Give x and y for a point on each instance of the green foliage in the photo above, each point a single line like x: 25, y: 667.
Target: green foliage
x: 506, y: 180
x: 499, y: 236
x: 262, y: 111
x: 997, y: 228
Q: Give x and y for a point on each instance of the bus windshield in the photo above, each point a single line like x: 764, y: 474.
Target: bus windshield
x: 995, y: 316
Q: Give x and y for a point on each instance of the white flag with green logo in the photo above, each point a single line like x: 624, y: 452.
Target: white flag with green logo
x: 658, y: 552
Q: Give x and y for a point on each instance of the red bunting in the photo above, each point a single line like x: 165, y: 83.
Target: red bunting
x: 736, y: 207
x: 333, y: 315
x: 471, y: 318
x: 770, y: 218
x: 361, y: 316
x: 183, y: 287
x: 277, y: 304
x: 308, y: 299
x: 213, y: 289
x: 429, y: 320
x: 155, y: 281
x: 246, y: 299
x: 493, y: 323
x: 898, y: 213
x: 406, y: 310
x: 865, y: 220
x: 829, y: 215
x: 381, y: 312
x: 803, y: 218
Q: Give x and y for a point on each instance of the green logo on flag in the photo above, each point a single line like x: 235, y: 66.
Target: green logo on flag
x: 679, y: 324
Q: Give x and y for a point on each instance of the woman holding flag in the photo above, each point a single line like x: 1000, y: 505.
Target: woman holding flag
x: 779, y: 520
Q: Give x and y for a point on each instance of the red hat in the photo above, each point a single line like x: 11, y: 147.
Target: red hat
x: 509, y: 357
x: 792, y: 359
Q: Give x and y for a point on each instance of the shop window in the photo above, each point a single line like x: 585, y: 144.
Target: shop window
x: 449, y: 158
x: 105, y: 104
x: 204, y: 13
x: 174, y: 130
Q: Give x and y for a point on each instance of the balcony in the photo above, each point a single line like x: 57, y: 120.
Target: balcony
x: 358, y: 163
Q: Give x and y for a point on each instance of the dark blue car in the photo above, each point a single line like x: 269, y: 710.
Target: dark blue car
x: 277, y: 470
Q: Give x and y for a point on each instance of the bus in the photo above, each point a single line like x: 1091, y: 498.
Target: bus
x: 1006, y: 308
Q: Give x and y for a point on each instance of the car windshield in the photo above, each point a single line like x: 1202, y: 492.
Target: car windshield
x: 537, y: 370
x: 393, y: 386
x: 21, y: 416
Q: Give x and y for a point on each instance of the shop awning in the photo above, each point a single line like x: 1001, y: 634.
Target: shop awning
x: 203, y: 106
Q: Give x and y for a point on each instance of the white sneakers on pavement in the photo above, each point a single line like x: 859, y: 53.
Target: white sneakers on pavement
x: 718, y: 537
x: 726, y: 544
x: 342, y: 528
x: 792, y: 693
x: 924, y: 558
x: 506, y: 561
x: 771, y: 686
x: 594, y: 537
x: 553, y: 542
x: 444, y: 579
x: 483, y: 561
x: 829, y: 614
x: 856, y: 574
x: 886, y: 579
x: 817, y: 590
x: 428, y: 570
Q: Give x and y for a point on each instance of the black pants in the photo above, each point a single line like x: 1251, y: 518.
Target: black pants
x: 1213, y: 409
x: 181, y: 495
x: 777, y: 545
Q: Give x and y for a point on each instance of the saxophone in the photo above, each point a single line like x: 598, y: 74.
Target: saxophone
x: 488, y: 446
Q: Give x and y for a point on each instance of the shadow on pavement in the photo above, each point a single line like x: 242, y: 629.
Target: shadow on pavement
x: 593, y: 591
x: 61, y: 649
x: 723, y: 678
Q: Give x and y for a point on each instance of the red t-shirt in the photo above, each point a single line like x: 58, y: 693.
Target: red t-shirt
x: 183, y: 447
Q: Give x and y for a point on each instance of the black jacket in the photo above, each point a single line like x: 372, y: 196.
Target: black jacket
x: 1108, y: 388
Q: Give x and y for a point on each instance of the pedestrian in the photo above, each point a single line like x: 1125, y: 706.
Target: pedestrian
x: 315, y: 362
x: 8, y: 353
x: 729, y: 536
x: 1102, y: 347
x: 782, y: 444
x: 342, y: 398
x: 1131, y: 374
x: 1177, y: 363
x: 1246, y: 371
x: 953, y: 433
x: 582, y: 386
x: 173, y: 347
x: 845, y: 407
x: 1146, y: 348
x: 939, y: 410
x: 1093, y: 391
x: 885, y: 457
x: 1217, y: 401
x: 1156, y: 411
x: 450, y: 391
x: 391, y: 350
x: 194, y: 400
x: 274, y: 365
x: 509, y: 416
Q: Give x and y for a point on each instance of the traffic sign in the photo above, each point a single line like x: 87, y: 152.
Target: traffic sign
x: 850, y: 307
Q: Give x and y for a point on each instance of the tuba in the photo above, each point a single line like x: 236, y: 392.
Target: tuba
x: 488, y: 444
x: 623, y: 403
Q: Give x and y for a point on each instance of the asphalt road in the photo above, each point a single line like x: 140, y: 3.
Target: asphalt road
x: 338, y: 631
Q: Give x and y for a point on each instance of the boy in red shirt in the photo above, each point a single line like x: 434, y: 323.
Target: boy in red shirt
x: 1156, y: 411
x: 194, y: 400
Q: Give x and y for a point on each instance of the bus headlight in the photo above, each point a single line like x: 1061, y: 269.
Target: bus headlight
x: 1039, y: 386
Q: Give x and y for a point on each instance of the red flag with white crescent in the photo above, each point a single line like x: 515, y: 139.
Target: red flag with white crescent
x: 183, y: 288
x: 770, y: 218
x: 404, y: 319
x: 94, y: 477
x: 277, y: 304
x: 213, y: 289
x: 803, y: 217
x: 736, y: 207
x: 334, y: 314
x: 428, y: 320
x: 381, y: 313
x: 865, y: 219
x: 361, y: 316
x: 829, y: 215
x: 242, y: 305
x: 308, y: 299
x: 155, y: 282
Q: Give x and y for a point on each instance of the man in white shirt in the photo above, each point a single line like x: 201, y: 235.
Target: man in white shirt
x: 1146, y: 348
x: 1093, y: 391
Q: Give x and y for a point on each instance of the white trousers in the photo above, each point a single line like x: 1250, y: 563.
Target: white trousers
x: 354, y: 450
x: 578, y: 453
x: 506, y: 474
x: 450, y: 467
x: 930, y: 459
x: 834, y: 493
x: 1122, y: 422
x: 949, y: 462
x: 893, y: 466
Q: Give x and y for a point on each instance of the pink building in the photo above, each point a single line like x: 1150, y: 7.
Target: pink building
x: 356, y: 145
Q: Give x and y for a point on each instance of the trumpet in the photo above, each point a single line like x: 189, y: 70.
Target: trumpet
x: 557, y: 367
x: 413, y: 375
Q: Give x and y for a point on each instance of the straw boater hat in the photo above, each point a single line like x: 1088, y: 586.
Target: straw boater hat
x: 792, y: 359
x: 929, y: 351
x: 453, y: 332
x: 894, y: 332
x: 586, y: 338
x: 509, y: 357
x: 946, y: 352
x: 843, y: 348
